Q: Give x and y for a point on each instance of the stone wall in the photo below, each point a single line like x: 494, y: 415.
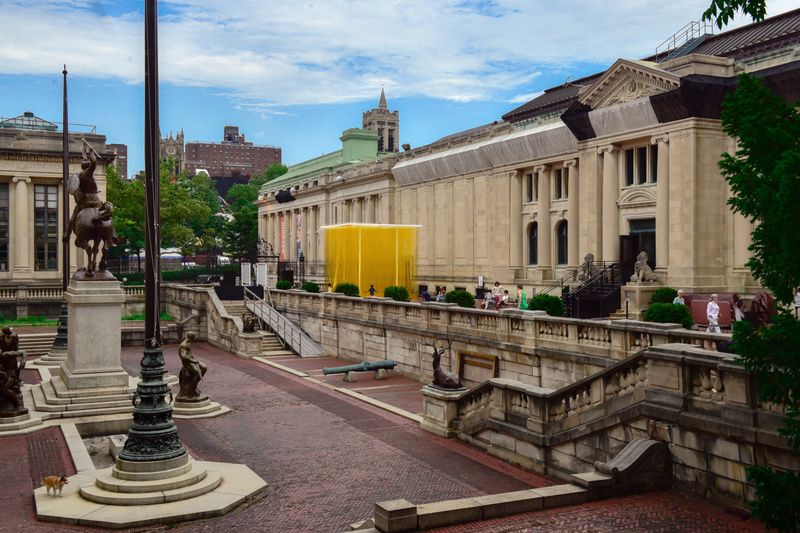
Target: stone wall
x: 699, y: 402
x: 528, y: 346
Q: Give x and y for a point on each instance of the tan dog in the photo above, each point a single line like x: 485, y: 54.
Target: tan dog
x: 56, y: 483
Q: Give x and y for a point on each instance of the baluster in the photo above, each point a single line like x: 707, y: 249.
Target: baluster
x: 705, y: 383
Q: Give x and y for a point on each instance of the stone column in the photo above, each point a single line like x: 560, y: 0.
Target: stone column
x: 358, y: 205
x: 610, y: 210
x: 312, y: 233
x: 370, y: 209
x: 22, y: 218
x: 662, y: 203
x: 304, y: 231
x: 515, y: 219
x: 573, y: 212
x: 543, y: 220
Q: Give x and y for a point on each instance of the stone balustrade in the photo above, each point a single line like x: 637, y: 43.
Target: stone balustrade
x: 699, y: 401
x: 530, y: 346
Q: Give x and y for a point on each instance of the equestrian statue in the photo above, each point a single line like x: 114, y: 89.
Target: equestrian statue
x: 91, y: 218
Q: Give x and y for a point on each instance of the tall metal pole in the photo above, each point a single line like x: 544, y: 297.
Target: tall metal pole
x: 153, y: 434
x: 59, y: 347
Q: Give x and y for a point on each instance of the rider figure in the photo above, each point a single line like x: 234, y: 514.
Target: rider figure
x: 86, y: 194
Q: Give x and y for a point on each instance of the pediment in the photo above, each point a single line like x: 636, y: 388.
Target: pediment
x: 637, y: 197
x: 628, y: 80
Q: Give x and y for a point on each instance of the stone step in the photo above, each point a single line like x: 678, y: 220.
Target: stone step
x: 63, y: 392
x: 107, y: 481
x: 52, y: 397
x: 94, y: 493
x: 150, y: 476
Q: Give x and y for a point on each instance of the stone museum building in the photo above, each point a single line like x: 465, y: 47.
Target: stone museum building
x: 31, y: 168
x: 611, y: 164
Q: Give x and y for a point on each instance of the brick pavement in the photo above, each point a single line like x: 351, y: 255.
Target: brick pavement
x: 328, y: 458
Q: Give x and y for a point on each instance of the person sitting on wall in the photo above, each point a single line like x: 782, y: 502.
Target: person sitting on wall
x: 440, y: 297
x: 679, y: 298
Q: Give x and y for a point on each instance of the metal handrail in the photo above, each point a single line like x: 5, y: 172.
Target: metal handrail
x: 287, y: 332
x: 560, y: 281
x: 690, y: 31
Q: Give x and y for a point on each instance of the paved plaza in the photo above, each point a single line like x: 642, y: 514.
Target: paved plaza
x: 328, y: 456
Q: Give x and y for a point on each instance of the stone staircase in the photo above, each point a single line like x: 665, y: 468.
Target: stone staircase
x: 234, y: 307
x: 36, y: 344
x: 271, y: 345
x: 54, y: 398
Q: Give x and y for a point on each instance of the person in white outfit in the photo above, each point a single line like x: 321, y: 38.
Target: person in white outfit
x: 712, y: 314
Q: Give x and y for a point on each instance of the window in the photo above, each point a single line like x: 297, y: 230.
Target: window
x: 45, y: 226
x: 529, y: 186
x: 654, y: 163
x: 558, y: 183
x: 533, y: 244
x: 561, y: 243
x: 641, y: 165
x: 3, y: 226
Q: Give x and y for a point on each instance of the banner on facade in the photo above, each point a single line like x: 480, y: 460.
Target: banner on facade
x: 282, y: 237
x: 245, y: 275
x: 261, y: 274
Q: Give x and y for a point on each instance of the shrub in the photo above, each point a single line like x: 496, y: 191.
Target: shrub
x: 565, y: 289
x: 348, y: 289
x: 669, y: 313
x: 310, y: 286
x: 552, y: 305
x: 139, y: 315
x: 283, y: 284
x: 460, y: 297
x: 396, y: 293
x: 664, y: 295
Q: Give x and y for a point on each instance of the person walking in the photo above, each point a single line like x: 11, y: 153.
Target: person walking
x: 372, y: 290
x: 679, y: 298
x: 712, y: 314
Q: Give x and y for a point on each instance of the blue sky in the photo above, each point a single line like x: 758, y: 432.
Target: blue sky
x: 295, y: 74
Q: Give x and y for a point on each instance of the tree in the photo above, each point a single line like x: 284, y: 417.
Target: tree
x: 763, y: 177
x: 240, y: 235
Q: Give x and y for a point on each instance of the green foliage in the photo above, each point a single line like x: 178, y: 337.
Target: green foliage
x: 240, y: 234
x: 663, y: 295
x: 310, y: 286
x: 184, y: 275
x: 552, y: 305
x: 763, y: 179
x: 669, y: 313
x: 36, y: 320
x: 283, y: 284
x: 348, y: 289
x: 140, y: 316
x: 723, y: 11
x: 765, y: 190
x: 460, y: 297
x: 396, y: 293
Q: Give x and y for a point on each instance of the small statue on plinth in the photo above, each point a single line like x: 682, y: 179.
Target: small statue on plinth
x: 249, y: 322
x: 12, y: 360
x: 589, y: 269
x: 641, y: 270
x: 191, y: 373
x: 443, y: 379
x: 91, y: 219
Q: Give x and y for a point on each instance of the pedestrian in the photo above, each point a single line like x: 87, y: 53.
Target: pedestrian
x: 797, y: 302
x: 372, y: 290
x: 440, y: 296
x: 679, y: 298
x: 523, y: 300
x: 712, y: 314
x: 498, y: 289
x: 738, y: 308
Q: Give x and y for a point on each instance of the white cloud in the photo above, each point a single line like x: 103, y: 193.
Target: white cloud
x: 527, y: 97
x: 278, y: 53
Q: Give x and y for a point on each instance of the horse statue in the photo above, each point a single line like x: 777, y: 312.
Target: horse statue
x: 91, y: 218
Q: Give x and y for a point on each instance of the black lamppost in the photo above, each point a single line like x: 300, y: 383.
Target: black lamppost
x: 153, y: 435
x: 60, y: 342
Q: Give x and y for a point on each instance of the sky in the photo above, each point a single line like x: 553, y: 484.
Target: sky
x: 295, y: 74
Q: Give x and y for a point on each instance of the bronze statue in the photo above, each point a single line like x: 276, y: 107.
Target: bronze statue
x: 442, y: 379
x: 191, y: 373
x: 91, y: 218
x: 249, y: 322
x: 12, y: 360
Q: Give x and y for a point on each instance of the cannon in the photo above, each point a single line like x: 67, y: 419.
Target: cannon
x: 379, y: 367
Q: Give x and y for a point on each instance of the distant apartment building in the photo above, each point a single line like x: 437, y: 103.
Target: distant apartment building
x: 234, y: 157
x: 120, y: 152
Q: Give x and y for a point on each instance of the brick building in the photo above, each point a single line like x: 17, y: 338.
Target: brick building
x: 232, y: 157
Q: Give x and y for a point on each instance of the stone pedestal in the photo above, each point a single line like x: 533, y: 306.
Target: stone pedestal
x: 200, y: 407
x: 95, y: 336
x: 639, y: 296
x: 439, y: 409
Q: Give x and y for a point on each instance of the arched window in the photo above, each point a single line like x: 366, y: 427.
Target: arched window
x: 533, y: 244
x: 561, y: 243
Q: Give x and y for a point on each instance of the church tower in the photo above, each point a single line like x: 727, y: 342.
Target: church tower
x: 386, y: 123
x: 174, y: 147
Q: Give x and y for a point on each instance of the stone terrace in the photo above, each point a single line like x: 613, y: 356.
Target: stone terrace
x: 328, y: 457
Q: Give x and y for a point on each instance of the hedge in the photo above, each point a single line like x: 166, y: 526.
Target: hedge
x: 396, y: 293
x: 184, y: 274
x: 310, y: 286
x: 552, y: 305
x: 460, y: 297
x: 283, y: 284
x: 663, y: 295
x: 669, y: 313
x: 348, y: 289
